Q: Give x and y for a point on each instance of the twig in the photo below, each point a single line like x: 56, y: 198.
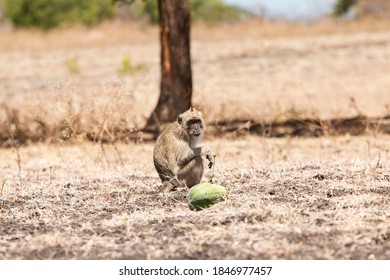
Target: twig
x: 118, y: 153
x: 2, y: 186
x: 377, y: 163
x: 15, y: 146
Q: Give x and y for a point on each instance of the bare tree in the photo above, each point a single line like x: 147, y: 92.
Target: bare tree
x: 176, y: 76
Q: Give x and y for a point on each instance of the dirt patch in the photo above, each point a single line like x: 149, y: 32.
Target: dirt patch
x: 291, y: 202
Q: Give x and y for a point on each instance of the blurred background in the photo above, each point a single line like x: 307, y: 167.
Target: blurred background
x: 73, y: 69
x: 40, y: 12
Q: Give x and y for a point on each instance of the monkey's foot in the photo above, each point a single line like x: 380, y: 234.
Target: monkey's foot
x: 167, y: 187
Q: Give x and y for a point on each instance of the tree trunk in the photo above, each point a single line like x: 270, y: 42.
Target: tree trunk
x: 176, y: 76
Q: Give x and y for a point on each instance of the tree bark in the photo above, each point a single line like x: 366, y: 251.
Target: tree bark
x: 176, y: 76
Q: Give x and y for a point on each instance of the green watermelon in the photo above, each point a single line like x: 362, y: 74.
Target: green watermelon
x: 204, y: 195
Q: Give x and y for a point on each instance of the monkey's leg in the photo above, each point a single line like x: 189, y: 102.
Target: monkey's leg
x: 192, y: 173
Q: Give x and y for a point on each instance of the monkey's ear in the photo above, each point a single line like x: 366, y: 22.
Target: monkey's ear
x: 179, y: 119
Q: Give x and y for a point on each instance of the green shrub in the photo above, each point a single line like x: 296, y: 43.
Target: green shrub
x: 47, y: 14
x: 341, y: 7
x: 128, y: 67
x: 210, y: 11
x: 150, y: 8
x: 213, y: 11
x: 72, y: 65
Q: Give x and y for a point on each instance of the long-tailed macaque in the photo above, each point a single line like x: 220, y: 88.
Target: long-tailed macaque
x: 177, y: 157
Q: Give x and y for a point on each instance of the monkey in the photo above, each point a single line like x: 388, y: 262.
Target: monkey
x: 176, y: 155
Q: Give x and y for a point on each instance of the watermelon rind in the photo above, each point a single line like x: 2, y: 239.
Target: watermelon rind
x: 204, y: 195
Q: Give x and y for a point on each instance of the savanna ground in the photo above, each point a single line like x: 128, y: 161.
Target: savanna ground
x: 65, y: 197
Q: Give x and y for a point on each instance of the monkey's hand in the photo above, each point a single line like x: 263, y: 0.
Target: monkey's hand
x: 210, y: 156
x: 211, y: 161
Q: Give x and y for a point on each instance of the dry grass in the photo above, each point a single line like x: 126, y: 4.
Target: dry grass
x: 295, y: 198
x: 74, y: 86
x: 323, y: 198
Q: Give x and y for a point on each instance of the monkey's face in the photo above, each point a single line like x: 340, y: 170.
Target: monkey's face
x: 192, y: 123
x: 195, y: 127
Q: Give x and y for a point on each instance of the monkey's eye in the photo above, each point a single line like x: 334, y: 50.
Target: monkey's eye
x: 194, y: 121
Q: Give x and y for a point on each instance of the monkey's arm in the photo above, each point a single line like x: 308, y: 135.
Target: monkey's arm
x: 193, y: 153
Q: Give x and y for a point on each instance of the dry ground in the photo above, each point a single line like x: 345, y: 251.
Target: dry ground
x: 323, y: 198
x: 290, y: 198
